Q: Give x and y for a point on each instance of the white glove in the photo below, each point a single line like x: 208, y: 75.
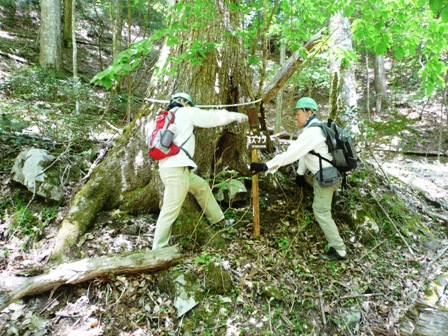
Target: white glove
x: 240, y: 118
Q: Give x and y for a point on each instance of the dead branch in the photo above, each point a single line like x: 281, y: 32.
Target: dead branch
x: 271, y: 88
x: 413, y: 152
x: 360, y: 295
x: 14, y: 57
x: 88, y: 269
x: 321, y: 301
x: 436, y: 215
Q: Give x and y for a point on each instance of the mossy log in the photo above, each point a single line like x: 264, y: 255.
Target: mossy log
x: 88, y: 269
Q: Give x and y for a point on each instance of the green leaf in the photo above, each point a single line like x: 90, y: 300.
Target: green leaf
x: 106, y: 82
x: 436, y: 5
x: 348, y: 12
x: 399, y: 53
x: 444, y: 14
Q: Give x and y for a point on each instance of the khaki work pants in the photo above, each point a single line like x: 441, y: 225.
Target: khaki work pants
x: 323, y: 197
x: 178, y: 182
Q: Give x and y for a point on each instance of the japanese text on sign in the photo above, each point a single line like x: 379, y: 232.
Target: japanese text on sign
x: 256, y: 140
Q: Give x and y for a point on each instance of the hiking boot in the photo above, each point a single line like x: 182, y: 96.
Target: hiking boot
x: 332, y: 255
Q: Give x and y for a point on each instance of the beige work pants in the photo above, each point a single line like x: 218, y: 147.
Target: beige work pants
x: 178, y: 182
x: 323, y: 197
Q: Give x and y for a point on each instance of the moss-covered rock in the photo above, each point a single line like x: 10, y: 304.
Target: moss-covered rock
x: 217, y: 280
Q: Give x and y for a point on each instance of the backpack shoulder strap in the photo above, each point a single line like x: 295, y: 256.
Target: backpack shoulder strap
x: 173, y: 111
x: 316, y: 124
x: 323, y: 126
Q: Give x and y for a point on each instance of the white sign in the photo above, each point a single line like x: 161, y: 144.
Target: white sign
x: 256, y: 140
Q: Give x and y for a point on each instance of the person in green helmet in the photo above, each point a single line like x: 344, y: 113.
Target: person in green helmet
x: 177, y: 171
x: 311, y: 139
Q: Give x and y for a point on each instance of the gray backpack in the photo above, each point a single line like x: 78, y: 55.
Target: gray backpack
x: 341, y: 148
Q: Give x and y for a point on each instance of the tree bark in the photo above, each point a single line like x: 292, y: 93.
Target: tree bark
x: 88, y: 269
x: 380, y: 83
x: 50, y: 54
x: 279, y: 102
x: 343, y: 97
x: 67, y: 29
x: 116, y: 17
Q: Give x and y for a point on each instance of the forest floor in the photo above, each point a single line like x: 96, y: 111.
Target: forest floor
x: 279, y: 286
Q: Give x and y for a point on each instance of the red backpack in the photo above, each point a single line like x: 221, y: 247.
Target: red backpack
x: 160, y: 142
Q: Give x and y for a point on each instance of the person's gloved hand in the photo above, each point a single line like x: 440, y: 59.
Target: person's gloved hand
x: 300, y: 180
x: 256, y: 167
x: 241, y: 117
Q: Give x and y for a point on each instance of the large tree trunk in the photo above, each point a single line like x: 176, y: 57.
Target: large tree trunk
x: 127, y: 179
x: 50, y: 54
x: 343, y: 97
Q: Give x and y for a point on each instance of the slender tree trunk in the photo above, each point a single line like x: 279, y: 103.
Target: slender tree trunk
x: 127, y: 179
x: 67, y: 31
x: 443, y: 125
x: 343, y: 97
x: 128, y: 76
x: 116, y: 21
x: 380, y: 82
x: 50, y: 54
x: 367, y: 86
x: 279, y: 110
x: 75, y: 57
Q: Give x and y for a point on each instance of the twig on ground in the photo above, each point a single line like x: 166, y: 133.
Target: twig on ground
x: 373, y: 248
x: 425, y: 273
x: 322, y: 306
x: 360, y: 295
x: 269, y: 314
x: 69, y: 331
x: 393, y: 223
x: 364, y: 317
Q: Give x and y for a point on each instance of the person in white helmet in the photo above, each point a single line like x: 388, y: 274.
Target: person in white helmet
x: 311, y: 139
x: 177, y: 171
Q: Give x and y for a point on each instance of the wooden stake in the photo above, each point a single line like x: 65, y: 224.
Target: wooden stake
x: 255, y: 196
x: 252, y: 113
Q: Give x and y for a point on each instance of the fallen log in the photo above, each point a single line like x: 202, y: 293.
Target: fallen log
x: 88, y: 269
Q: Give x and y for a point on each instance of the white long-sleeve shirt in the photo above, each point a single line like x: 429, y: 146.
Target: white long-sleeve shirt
x: 186, y: 119
x: 310, y: 139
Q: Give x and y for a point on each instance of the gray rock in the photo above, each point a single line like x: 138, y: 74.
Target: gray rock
x: 30, y: 170
x: 185, y: 289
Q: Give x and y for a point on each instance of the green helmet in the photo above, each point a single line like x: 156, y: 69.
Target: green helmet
x: 306, y: 103
x: 182, y: 95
